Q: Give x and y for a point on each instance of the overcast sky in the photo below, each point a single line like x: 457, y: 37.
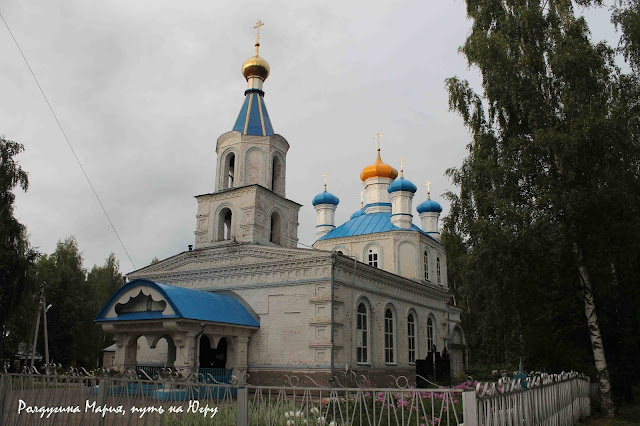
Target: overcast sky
x: 144, y: 88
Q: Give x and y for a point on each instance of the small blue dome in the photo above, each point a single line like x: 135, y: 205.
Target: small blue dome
x: 325, y: 198
x: 358, y: 213
x: 402, y: 184
x: 429, y: 206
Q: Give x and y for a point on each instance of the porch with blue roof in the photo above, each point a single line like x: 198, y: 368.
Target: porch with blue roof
x: 191, y: 321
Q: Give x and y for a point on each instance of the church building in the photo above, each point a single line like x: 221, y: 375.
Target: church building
x: 372, y: 295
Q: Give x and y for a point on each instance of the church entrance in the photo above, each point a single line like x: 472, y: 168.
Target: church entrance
x: 212, y: 357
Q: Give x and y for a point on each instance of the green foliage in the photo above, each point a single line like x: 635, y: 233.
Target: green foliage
x: 553, y: 164
x: 626, y: 18
x: 76, y: 299
x: 16, y: 256
x: 104, y: 281
x: 64, y: 280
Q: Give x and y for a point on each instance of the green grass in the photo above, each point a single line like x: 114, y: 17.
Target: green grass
x: 628, y: 414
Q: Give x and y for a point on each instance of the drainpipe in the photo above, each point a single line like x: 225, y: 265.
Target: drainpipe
x: 355, y: 262
x: 195, y: 350
x: 333, y: 264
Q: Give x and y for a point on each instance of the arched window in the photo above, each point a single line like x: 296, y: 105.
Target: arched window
x: 438, y: 274
x: 277, y: 182
x: 425, y: 259
x: 229, y: 173
x: 389, y: 337
x: 372, y: 256
x: 224, y: 224
x: 411, y: 335
x: 276, y: 228
x: 430, y: 341
x: 362, y: 334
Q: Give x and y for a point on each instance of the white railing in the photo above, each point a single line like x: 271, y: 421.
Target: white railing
x: 557, y: 399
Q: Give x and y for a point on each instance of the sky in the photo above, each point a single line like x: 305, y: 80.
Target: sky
x: 144, y: 88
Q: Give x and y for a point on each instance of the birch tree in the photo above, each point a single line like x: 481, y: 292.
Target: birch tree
x: 553, y: 148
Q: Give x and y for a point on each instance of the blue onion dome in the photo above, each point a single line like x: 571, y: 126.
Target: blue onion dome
x: 358, y: 213
x: 402, y: 184
x: 325, y: 198
x: 429, y: 206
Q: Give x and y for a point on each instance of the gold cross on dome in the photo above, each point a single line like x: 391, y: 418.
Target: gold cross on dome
x: 257, y: 27
x: 428, y: 188
x: 401, y: 166
x: 325, y: 180
x: 377, y: 135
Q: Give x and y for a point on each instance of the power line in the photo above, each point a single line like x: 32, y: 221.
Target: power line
x: 67, y: 139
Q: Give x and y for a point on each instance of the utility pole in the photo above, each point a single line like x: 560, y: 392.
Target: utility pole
x: 42, y: 308
x: 45, y: 308
x: 35, y: 334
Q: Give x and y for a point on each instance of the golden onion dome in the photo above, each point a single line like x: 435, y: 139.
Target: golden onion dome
x: 256, y: 66
x: 378, y: 169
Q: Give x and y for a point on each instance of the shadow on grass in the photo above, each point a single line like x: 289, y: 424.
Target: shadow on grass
x: 628, y: 414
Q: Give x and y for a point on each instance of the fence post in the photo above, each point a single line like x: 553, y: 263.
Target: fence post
x: 5, y: 386
x: 102, y: 396
x: 243, y: 407
x: 469, y: 408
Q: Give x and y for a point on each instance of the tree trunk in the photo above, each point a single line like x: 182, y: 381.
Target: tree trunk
x: 606, y: 403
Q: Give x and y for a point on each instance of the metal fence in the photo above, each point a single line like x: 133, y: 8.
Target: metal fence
x: 556, y: 399
x: 211, y: 375
x: 132, y: 398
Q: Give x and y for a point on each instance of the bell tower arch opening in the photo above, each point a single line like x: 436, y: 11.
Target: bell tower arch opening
x: 229, y: 171
x: 277, y: 175
x: 276, y: 228
x: 224, y: 224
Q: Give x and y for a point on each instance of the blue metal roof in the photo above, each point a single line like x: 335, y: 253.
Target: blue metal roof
x: 402, y: 184
x: 186, y: 303
x: 357, y: 213
x: 254, y: 118
x: 367, y: 224
x: 325, y: 198
x: 429, y: 206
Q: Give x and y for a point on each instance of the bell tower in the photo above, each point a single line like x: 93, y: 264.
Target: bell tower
x: 249, y: 203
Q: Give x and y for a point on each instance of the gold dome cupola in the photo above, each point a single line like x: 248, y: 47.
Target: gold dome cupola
x: 256, y: 66
x: 379, y: 168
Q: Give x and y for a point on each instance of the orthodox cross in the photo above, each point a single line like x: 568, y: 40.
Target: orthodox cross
x: 257, y: 27
x: 428, y: 189
x: 401, y: 167
x: 325, y: 180
x: 377, y: 135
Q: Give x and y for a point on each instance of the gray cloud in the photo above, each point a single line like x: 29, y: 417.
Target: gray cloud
x: 144, y: 89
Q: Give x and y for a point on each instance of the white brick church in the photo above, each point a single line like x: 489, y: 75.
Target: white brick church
x: 372, y: 294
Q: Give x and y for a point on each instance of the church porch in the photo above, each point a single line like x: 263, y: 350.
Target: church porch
x: 197, y: 329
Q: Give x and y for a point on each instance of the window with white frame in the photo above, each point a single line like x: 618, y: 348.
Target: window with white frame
x: 389, y: 337
x: 362, y: 336
x: 425, y: 258
x: 438, y: 274
x: 411, y: 335
x: 372, y: 256
x: 430, y: 343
